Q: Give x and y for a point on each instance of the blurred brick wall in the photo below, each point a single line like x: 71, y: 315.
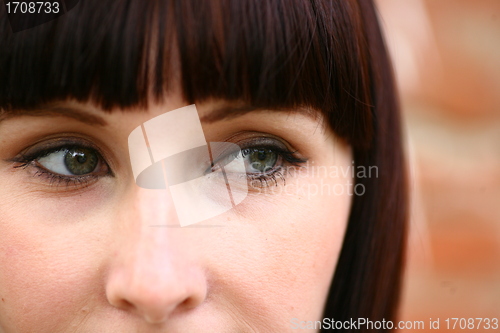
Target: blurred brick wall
x: 447, y: 58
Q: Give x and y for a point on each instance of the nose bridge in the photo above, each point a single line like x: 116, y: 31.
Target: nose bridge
x: 151, y: 244
x: 151, y: 256
x: 153, y: 208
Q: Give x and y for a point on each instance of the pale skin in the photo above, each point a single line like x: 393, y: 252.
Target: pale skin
x: 80, y: 257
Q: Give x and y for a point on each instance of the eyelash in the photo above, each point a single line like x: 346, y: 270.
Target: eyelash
x: 30, y: 160
x: 283, y: 155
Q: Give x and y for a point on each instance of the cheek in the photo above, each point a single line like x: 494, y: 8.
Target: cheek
x: 280, y: 255
x: 48, y: 263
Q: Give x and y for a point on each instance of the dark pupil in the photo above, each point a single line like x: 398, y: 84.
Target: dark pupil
x: 81, y: 158
x: 261, y: 159
x: 80, y: 161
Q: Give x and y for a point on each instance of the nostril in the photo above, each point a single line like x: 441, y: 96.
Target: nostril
x: 188, y: 303
x: 124, y: 305
x: 119, y: 302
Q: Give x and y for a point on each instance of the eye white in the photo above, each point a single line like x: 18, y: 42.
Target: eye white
x: 54, y: 162
x: 233, y: 167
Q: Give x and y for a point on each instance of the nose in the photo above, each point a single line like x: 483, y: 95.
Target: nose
x: 153, y: 272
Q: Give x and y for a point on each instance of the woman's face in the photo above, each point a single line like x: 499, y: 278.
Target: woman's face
x: 94, y: 252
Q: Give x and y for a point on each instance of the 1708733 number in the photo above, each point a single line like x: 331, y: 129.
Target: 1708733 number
x: 32, y: 7
x: 472, y: 323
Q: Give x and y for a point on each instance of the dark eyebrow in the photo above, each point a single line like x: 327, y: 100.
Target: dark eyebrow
x: 65, y: 111
x: 216, y: 114
x: 230, y: 112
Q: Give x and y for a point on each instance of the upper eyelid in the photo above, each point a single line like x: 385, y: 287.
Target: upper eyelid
x: 270, y: 141
x: 43, y: 153
x: 262, y: 141
x: 51, y: 146
x: 253, y: 145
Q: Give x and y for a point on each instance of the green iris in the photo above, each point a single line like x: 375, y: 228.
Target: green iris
x: 261, y: 160
x: 80, y: 161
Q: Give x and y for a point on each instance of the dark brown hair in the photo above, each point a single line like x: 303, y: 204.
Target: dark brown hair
x: 326, y: 55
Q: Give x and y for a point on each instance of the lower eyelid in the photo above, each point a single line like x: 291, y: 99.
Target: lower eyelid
x: 274, y: 178
x: 54, y: 181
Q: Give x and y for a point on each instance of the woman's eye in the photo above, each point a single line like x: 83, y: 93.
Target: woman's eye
x: 75, y: 165
x: 263, y: 165
x: 71, y: 162
x: 259, y: 160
